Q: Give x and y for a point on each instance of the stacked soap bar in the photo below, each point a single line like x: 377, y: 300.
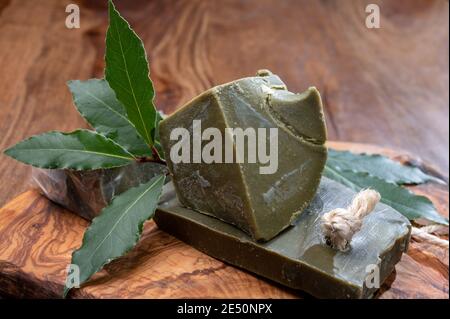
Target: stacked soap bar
x: 86, y: 193
x: 260, y: 203
x: 298, y: 257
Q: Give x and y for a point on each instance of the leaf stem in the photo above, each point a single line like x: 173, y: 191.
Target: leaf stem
x: 155, y: 158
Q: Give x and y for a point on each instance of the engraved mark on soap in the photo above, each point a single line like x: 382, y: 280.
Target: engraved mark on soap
x: 373, y: 276
x: 373, y: 17
x: 73, y: 276
x: 73, y: 17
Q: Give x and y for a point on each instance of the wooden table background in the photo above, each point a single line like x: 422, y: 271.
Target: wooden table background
x: 386, y: 86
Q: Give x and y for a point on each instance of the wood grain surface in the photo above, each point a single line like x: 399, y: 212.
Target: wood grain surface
x: 387, y: 86
x: 38, y: 237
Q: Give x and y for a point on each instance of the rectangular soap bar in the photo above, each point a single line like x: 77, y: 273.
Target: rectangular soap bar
x: 298, y: 257
x: 260, y: 204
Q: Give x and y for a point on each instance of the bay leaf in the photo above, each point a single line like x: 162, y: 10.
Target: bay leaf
x: 127, y: 73
x: 79, y: 150
x: 117, y: 229
x: 379, y: 166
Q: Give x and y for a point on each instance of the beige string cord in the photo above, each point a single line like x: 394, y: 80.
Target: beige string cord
x: 423, y: 234
x: 435, y: 229
x: 340, y: 224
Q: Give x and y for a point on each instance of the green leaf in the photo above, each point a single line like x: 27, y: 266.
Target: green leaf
x: 379, y: 166
x: 127, y: 73
x: 401, y: 199
x: 117, y: 229
x: 79, y: 150
x: 98, y: 104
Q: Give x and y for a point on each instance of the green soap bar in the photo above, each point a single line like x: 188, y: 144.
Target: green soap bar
x: 298, y: 257
x: 86, y: 193
x: 261, y: 205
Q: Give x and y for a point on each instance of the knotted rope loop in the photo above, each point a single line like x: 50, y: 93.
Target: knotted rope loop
x: 341, y: 224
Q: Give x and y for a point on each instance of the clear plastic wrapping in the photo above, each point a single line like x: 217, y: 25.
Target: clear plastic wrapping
x: 86, y: 193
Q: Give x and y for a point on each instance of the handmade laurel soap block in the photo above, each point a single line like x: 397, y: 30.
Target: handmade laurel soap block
x: 86, y: 193
x: 298, y: 257
x: 259, y: 198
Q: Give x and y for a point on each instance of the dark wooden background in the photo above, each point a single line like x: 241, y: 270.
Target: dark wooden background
x: 385, y: 86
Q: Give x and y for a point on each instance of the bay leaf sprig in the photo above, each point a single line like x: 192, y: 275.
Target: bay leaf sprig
x: 120, y: 108
x: 121, y: 111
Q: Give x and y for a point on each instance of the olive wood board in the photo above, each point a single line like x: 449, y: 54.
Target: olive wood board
x: 38, y: 237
